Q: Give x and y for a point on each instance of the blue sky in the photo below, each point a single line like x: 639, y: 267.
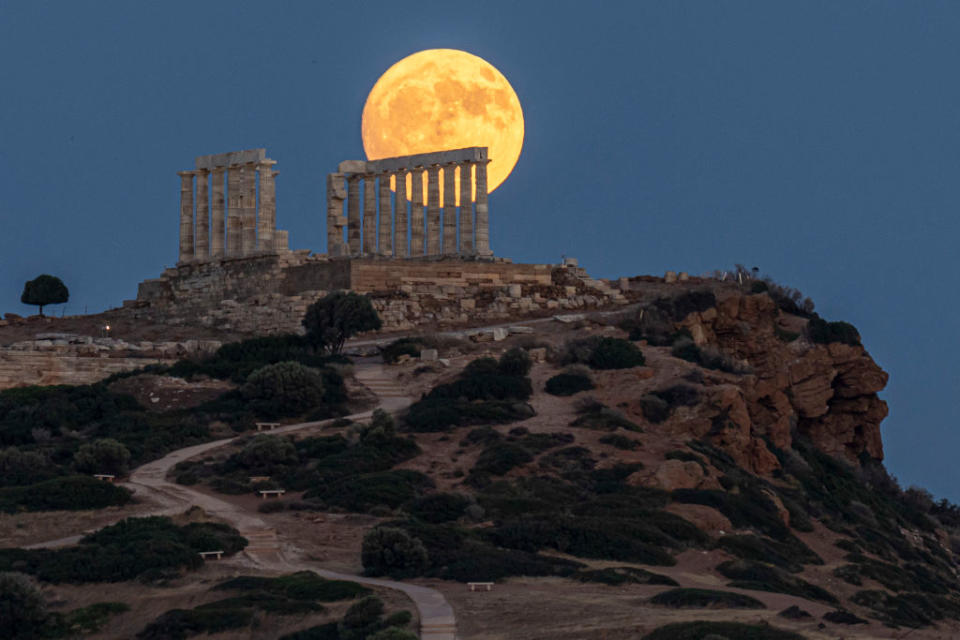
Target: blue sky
x: 819, y: 141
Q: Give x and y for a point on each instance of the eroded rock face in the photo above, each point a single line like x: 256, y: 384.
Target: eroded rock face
x: 827, y: 392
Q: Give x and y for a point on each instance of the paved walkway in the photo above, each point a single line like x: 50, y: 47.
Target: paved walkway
x: 437, y: 621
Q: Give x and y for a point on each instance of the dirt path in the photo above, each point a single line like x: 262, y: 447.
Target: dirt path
x: 266, y: 549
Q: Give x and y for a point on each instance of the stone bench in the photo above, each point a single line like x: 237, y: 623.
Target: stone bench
x: 267, y: 426
x: 264, y: 493
x: 216, y: 555
x: 106, y: 477
x: 480, y: 586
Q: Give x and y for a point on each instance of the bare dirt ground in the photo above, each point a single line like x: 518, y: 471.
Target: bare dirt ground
x: 23, y: 529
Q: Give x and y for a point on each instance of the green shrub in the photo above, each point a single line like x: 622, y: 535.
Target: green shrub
x: 621, y: 442
x: 700, y: 630
x: 615, y: 353
x: 843, y: 617
x: 68, y: 493
x: 567, y: 384
x: 440, y: 414
x: 822, y: 332
x: 365, y: 491
x: 500, y: 458
x: 264, y: 453
x: 126, y: 550
x: 329, y: 631
x: 393, y: 552
x: 569, y: 460
x: 283, y: 389
x: 515, y: 362
x: 485, y: 386
x: 762, y: 577
x: 439, y: 507
x: 410, y: 346
x: 790, y: 556
x: 540, y: 442
x: 393, y: 633
x: 102, y: 456
x: 18, y: 468
x: 655, y: 409
x: 703, y: 598
x: 616, y: 576
x: 594, y: 415
x: 23, y: 611
x: 303, y: 585
x: 178, y: 624
x: 362, y: 618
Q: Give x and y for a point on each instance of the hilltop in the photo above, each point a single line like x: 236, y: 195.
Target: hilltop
x: 711, y: 451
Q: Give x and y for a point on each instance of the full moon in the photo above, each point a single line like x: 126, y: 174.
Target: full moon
x: 444, y: 99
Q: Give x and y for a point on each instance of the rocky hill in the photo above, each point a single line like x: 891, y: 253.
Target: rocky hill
x: 709, y: 456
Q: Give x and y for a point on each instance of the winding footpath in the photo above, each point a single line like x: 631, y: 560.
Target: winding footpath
x: 437, y: 621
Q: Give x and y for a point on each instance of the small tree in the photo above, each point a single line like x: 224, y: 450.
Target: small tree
x: 23, y: 613
x: 44, y: 290
x: 102, y: 456
x: 334, y: 318
x: 283, y: 389
x: 393, y: 552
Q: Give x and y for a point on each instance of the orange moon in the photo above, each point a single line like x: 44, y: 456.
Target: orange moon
x: 441, y: 99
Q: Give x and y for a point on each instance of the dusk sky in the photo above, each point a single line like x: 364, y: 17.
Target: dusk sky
x: 818, y: 141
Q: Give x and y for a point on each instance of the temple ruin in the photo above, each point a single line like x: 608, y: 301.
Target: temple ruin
x: 227, y: 219
x: 397, y: 228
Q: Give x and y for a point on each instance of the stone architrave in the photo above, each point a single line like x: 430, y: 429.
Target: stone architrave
x: 201, y: 248
x: 234, y: 214
x: 186, y: 215
x: 336, y: 196
x: 249, y: 209
x: 483, y: 213
x: 416, y: 213
x: 217, y: 219
x: 267, y: 217
x: 353, y: 214
x: 400, y: 217
x: 369, y: 215
x: 450, y: 209
x: 466, y: 208
x: 385, y: 217
x: 433, y: 210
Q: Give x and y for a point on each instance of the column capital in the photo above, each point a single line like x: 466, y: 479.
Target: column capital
x: 185, y: 174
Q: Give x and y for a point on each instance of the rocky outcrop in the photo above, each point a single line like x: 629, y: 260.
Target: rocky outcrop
x: 827, y: 392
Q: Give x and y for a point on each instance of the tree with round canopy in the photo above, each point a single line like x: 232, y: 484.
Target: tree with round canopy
x: 43, y: 290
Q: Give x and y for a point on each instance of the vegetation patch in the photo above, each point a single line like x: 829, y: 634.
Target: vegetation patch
x: 597, y: 416
x: 841, y: 616
x: 822, y: 332
x: 790, y: 555
x: 567, y: 384
x: 303, y: 585
x: 762, y: 577
x: 705, y: 598
x: 621, y: 442
x: 70, y: 492
x: 135, y: 547
x: 616, y: 576
x: 701, y: 630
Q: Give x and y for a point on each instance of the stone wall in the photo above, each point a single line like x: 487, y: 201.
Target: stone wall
x: 66, y: 359
x: 270, y: 294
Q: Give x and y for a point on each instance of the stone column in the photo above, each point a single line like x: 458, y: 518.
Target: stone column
x: 416, y: 213
x: 369, y: 214
x: 466, y: 208
x: 353, y: 214
x: 450, y: 209
x: 385, y: 219
x: 483, y: 213
x: 400, y: 217
x: 248, y: 207
x: 267, y: 218
x: 433, y: 210
x: 336, y: 194
x: 186, y: 216
x: 217, y: 221
x: 202, y: 243
x: 234, y: 218
x: 281, y: 239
